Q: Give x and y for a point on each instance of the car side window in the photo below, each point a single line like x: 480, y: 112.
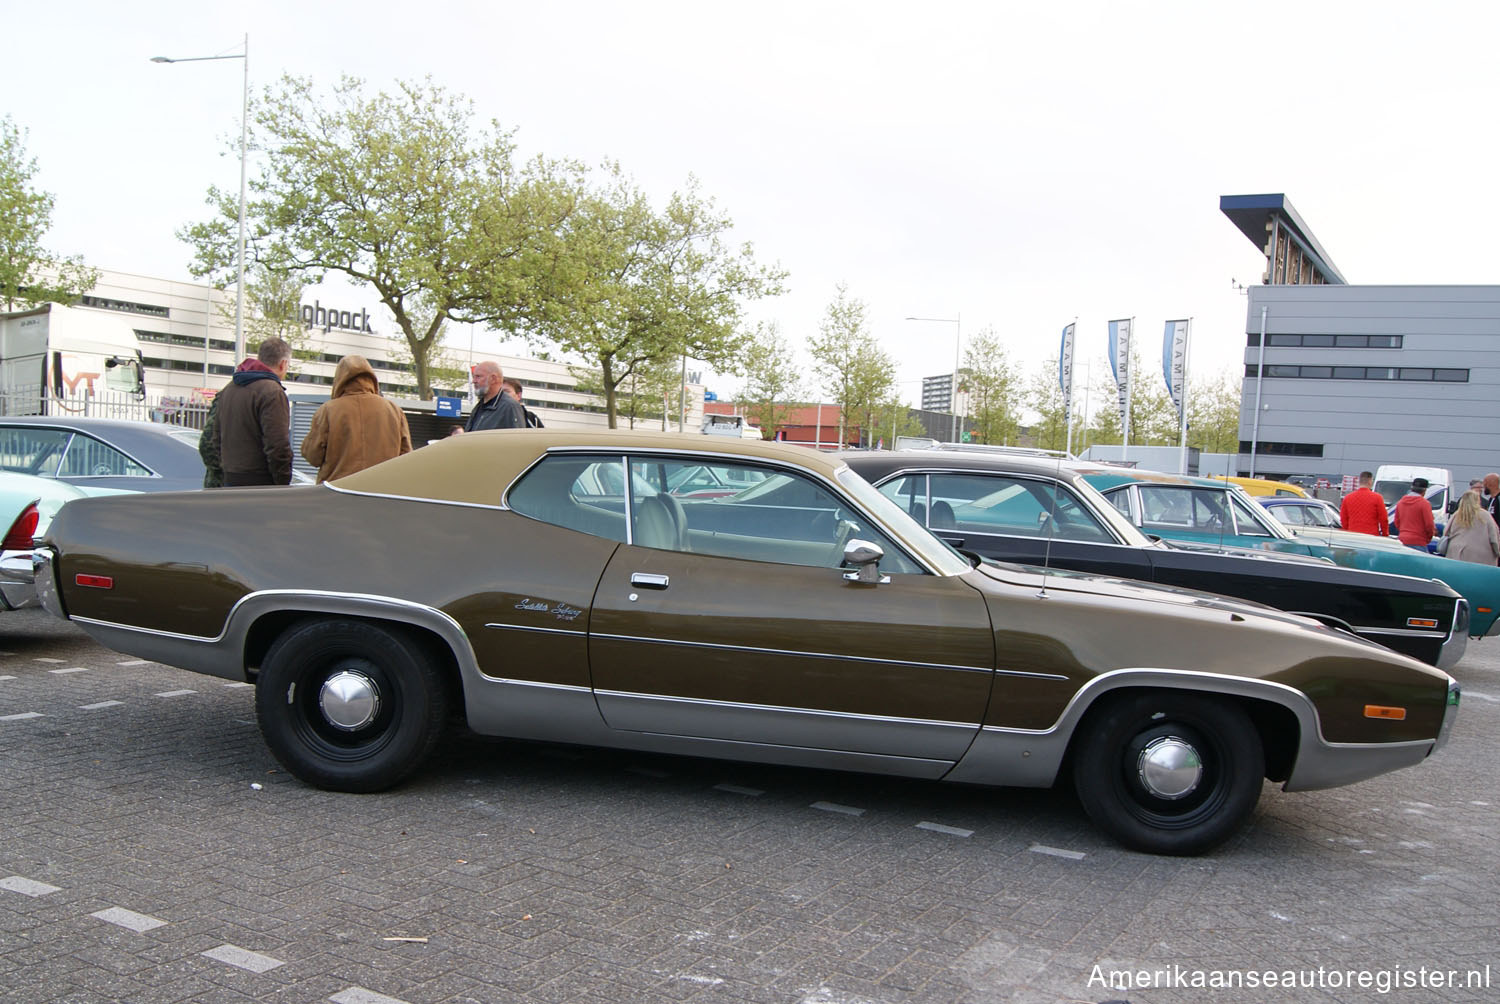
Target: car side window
x: 1291, y: 515
x: 1022, y: 507
x: 910, y: 493
x: 27, y: 450
x: 583, y: 493
x: 87, y: 457
x: 783, y: 517
x: 1120, y: 499
x: 1173, y: 507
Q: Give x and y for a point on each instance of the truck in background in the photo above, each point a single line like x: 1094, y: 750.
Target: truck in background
x: 53, y: 353
x: 737, y: 426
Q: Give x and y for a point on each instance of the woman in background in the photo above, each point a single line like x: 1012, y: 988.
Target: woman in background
x: 1471, y: 533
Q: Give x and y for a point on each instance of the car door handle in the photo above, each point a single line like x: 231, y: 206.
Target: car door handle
x: 649, y: 580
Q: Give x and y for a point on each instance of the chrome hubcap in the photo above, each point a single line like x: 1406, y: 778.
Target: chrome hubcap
x: 349, y: 700
x: 1170, y: 767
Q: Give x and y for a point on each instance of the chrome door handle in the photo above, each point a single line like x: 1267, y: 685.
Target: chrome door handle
x: 649, y: 580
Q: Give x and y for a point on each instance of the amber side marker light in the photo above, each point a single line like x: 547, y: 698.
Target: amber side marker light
x: 1485, y: 610
x: 96, y: 581
x: 1379, y: 711
x: 1421, y: 622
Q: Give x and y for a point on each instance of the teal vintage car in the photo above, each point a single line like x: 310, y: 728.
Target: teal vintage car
x: 27, y: 504
x: 1211, y: 513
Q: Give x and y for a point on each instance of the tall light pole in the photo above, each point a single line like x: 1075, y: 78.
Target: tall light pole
x: 958, y: 330
x: 239, y: 292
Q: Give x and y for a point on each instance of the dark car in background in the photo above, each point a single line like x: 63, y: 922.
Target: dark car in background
x: 1039, y: 511
x: 102, y: 452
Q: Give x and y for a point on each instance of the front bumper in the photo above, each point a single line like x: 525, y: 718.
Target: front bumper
x: 17, y: 582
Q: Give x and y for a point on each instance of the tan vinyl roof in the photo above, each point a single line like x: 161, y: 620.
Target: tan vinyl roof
x: 477, y: 467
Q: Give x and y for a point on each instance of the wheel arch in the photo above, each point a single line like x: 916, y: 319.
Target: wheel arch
x: 1284, y: 716
x: 260, y: 618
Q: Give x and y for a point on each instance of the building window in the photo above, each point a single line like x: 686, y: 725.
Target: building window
x: 1404, y: 373
x: 1284, y: 449
x: 1327, y: 341
x: 124, y: 306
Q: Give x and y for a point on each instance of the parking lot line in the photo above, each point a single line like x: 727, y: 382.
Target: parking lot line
x: 23, y: 715
x: 101, y: 704
x: 1058, y: 852
x: 120, y: 917
x: 75, y: 669
x: 176, y: 693
x: 359, y: 995
x: 27, y: 887
x: 232, y: 955
x: 952, y: 831
x: 847, y: 810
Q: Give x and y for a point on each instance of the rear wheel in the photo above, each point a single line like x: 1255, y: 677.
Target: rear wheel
x: 1169, y: 772
x: 349, y: 705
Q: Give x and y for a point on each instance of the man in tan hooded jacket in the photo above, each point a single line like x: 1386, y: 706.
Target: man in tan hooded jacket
x: 357, y: 428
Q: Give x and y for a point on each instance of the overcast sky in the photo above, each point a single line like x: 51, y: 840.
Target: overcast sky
x: 1018, y: 165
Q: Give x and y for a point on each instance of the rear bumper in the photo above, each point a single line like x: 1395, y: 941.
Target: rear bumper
x: 44, y: 580
x: 17, y: 581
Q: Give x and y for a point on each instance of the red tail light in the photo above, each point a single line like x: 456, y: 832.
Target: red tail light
x: 22, y: 530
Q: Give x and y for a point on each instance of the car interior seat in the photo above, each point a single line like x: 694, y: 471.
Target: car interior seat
x: 942, y: 516
x: 654, y: 525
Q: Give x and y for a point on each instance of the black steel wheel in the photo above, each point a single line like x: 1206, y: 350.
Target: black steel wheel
x: 1169, y: 772
x: 349, y: 705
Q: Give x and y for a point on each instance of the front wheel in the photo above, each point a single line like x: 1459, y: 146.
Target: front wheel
x: 1169, y: 772
x: 349, y: 705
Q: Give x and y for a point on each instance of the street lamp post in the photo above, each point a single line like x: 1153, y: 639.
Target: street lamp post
x: 239, y: 293
x: 958, y: 330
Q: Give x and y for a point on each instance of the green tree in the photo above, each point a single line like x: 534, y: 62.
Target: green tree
x: 28, y: 273
x: 1045, y: 398
x: 773, y: 381
x: 993, y: 388
x: 1214, y: 412
x: 854, y: 372
x: 634, y: 286
x: 400, y: 193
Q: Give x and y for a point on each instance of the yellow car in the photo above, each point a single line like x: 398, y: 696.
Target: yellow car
x: 1260, y: 486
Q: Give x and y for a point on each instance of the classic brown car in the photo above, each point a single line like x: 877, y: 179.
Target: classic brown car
x: 548, y: 585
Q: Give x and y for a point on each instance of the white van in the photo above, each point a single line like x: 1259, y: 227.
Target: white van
x: 1394, y: 480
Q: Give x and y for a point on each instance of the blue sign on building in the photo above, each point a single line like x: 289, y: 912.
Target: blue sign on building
x: 449, y: 407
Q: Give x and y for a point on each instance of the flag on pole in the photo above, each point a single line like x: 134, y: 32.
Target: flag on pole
x: 1174, y: 360
x: 1065, y: 366
x: 1119, y: 364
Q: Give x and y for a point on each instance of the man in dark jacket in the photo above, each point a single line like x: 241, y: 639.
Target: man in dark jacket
x: 253, y: 427
x: 514, y: 386
x: 495, y: 410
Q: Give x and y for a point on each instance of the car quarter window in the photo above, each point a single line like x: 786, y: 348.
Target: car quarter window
x: 1005, y: 504
x: 783, y: 516
x: 87, y: 457
x: 1246, y: 523
x: 29, y: 450
x: 584, y: 493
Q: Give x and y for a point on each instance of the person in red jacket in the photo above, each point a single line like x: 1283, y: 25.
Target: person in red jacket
x: 1413, y: 523
x: 1363, y: 510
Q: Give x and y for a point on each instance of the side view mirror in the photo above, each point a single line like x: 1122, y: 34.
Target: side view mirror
x: 864, y: 557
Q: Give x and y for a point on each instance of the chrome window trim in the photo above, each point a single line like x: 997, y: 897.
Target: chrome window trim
x: 692, y: 457
x: 785, y: 709
x: 414, y: 498
x: 825, y: 655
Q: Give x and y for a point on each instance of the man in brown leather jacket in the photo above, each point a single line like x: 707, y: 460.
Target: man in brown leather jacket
x: 357, y: 428
x: 253, y: 431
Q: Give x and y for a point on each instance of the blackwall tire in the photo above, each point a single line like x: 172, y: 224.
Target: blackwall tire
x: 1169, y: 772
x: 349, y: 705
